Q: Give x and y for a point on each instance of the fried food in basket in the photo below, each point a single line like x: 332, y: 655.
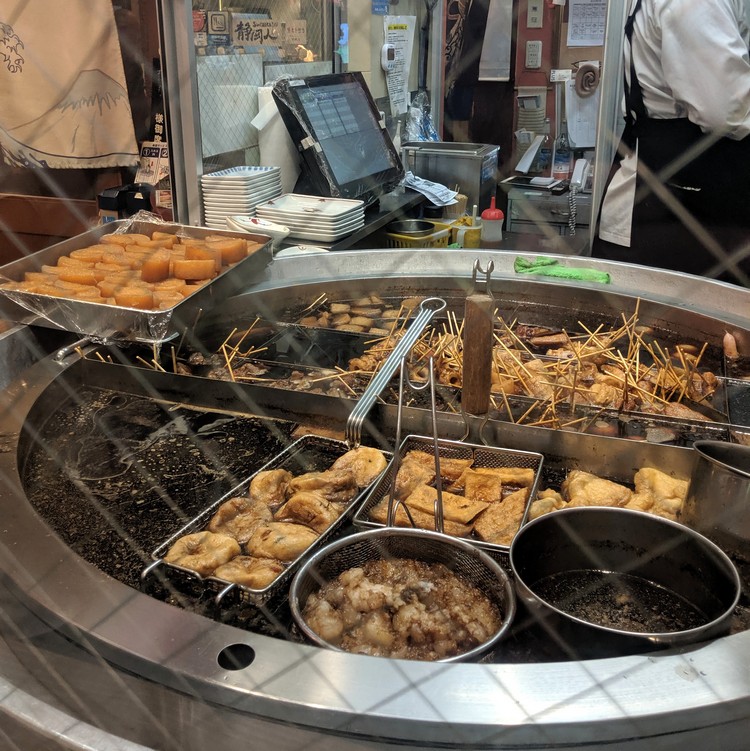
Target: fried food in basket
x: 202, y: 552
x: 250, y: 540
x: 655, y: 492
x: 499, y: 522
x: 284, y: 541
x: 256, y: 573
x: 456, y: 508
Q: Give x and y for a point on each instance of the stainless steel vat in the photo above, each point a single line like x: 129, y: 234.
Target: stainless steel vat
x: 110, y: 666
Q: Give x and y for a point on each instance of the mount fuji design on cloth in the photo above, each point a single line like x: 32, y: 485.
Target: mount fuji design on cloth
x: 62, y: 83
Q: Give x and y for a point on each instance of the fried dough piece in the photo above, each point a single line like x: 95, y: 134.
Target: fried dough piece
x: 379, y: 513
x: 311, y: 508
x: 202, y: 552
x: 336, y: 485
x: 364, y: 462
x: 239, y: 518
x: 668, y: 492
x: 581, y: 488
x: 270, y: 486
x: 255, y: 573
x: 546, y: 501
x: 283, y: 541
x: 499, y: 523
x: 481, y: 487
x: 456, y: 508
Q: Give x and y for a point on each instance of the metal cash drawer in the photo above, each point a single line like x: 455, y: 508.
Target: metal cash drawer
x: 529, y: 210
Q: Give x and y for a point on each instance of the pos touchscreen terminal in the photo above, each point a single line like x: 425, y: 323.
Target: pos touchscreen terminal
x: 344, y: 147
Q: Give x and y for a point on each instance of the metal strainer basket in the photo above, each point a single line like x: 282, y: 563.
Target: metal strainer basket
x: 466, y: 561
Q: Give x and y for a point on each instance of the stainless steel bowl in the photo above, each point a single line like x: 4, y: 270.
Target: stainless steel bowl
x: 612, y: 581
x: 464, y: 560
x: 411, y: 227
x: 718, y: 498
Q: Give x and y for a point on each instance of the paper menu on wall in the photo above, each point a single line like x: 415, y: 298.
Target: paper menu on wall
x: 399, y: 31
x: 587, y: 20
x: 582, y: 114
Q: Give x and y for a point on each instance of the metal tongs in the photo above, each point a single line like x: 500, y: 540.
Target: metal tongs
x: 393, y: 502
x: 427, y: 309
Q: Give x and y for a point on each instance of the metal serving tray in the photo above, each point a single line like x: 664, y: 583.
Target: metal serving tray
x: 482, y: 456
x: 112, y: 322
x: 310, y: 453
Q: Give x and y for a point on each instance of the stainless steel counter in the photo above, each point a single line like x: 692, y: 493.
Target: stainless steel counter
x: 108, y: 666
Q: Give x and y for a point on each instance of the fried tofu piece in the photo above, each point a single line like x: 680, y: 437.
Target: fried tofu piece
x: 584, y: 489
x: 450, y: 469
x: 668, y: 492
x: 283, y: 541
x: 422, y: 520
x: 480, y: 486
x: 499, y: 523
x: 456, y: 508
x: 519, y: 476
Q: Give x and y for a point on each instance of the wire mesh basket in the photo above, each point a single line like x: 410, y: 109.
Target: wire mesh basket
x: 310, y: 453
x: 467, y: 562
x: 480, y: 456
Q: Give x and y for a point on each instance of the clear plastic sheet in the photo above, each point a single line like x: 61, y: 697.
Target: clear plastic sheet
x: 102, y: 323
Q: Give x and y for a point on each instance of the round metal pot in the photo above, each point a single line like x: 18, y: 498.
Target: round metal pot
x: 718, y: 498
x: 466, y: 561
x: 608, y: 581
x: 411, y: 228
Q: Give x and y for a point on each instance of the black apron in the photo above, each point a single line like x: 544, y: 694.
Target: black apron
x: 715, y: 183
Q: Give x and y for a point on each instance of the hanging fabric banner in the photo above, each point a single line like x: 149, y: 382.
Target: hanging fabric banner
x: 62, y: 85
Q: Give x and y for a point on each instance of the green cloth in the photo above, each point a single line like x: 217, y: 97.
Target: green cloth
x: 544, y: 266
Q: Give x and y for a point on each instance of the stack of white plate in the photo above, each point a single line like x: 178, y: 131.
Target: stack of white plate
x: 237, y: 190
x: 314, y: 218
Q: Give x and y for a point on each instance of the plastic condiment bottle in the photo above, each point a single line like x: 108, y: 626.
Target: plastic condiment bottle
x: 492, y: 226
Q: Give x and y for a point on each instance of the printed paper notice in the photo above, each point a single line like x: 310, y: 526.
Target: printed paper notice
x: 587, y: 20
x: 399, y: 31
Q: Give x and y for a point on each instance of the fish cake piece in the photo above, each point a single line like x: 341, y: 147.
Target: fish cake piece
x: 365, y: 462
x: 456, y: 508
x: 283, y: 541
x: 239, y: 518
x: 499, y: 522
x: 270, y: 486
x: 254, y: 573
x: 379, y: 513
x: 336, y: 485
x: 202, y: 552
x: 311, y: 508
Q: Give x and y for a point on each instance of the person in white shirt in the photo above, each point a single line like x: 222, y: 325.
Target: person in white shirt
x: 679, y: 194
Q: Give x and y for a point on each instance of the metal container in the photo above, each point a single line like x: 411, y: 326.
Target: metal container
x: 718, y: 498
x: 464, y: 560
x: 116, y: 322
x: 612, y: 580
x: 472, y: 165
x: 411, y: 227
